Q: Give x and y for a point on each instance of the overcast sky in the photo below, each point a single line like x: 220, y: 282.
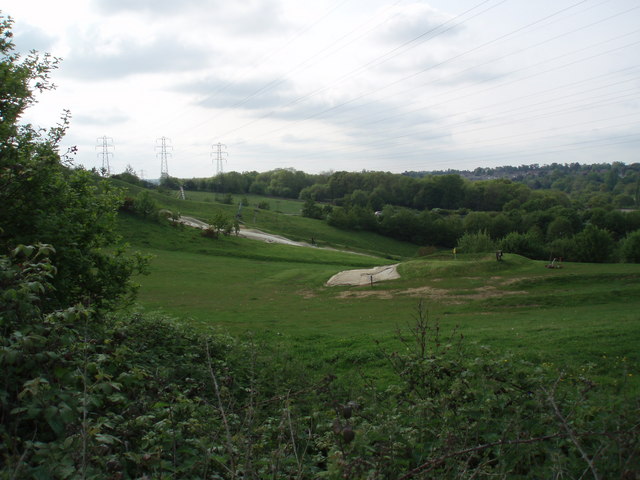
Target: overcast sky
x: 392, y: 85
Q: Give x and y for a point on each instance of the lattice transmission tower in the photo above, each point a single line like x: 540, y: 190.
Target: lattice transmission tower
x: 105, y: 144
x: 220, y: 154
x: 162, y: 144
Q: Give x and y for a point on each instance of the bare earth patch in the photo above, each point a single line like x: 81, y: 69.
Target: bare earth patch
x: 382, y: 294
x: 439, y: 294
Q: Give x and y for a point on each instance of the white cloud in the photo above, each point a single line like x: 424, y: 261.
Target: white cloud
x: 163, y: 55
x: 418, y: 22
x: 362, y: 84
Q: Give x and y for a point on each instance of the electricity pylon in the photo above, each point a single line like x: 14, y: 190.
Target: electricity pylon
x: 220, y: 154
x: 105, y: 143
x: 162, y: 144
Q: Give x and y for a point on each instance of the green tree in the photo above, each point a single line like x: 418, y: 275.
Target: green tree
x: 558, y: 228
x: 479, y: 242
x: 593, y: 244
x: 477, y: 222
x: 222, y: 222
x: 311, y: 209
x: 45, y: 200
x: 524, y: 244
x: 129, y: 176
x: 145, y: 205
x: 630, y: 248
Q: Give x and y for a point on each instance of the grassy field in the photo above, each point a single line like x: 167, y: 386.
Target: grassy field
x: 581, y: 314
x: 286, y: 206
x: 294, y: 227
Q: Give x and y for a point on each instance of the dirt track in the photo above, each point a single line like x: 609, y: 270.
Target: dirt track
x: 247, y: 233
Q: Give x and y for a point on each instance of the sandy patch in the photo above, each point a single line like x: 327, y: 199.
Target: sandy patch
x: 365, y: 276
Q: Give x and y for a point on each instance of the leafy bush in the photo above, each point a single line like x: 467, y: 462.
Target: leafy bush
x: 479, y: 242
x: 130, y: 395
x: 630, y: 248
x: 523, y: 244
x: 144, y: 205
x: 593, y: 244
x: 311, y: 209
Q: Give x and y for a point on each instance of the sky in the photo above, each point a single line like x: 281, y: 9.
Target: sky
x: 332, y: 85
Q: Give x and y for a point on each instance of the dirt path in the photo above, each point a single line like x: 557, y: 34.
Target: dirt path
x: 364, y: 276
x: 247, y: 233
x: 255, y: 234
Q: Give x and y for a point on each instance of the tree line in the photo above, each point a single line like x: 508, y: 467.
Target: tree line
x: 436, y: 210
x: 614, y: 185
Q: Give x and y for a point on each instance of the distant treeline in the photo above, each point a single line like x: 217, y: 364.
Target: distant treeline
x: 578, y: 212
x: 486, y: 189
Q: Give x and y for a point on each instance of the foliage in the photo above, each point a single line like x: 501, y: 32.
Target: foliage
x: 86, y: 396
x: 459, y: 413
x: 524, y: 244
x: 47, y: 201
x: 128, y: 396
x: 593, y: 244
x: 630, y: 250
x: 144, y: 205
x: 311, y: 209
x: 87, y: 393
x: 129, y: 175
x: 223, y: 222
x: 479, y: 242
x: 552, y: 202
x: 227, y: 199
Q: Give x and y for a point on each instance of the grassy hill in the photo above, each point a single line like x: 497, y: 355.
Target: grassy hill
x: 580, y: 314
x: 202, y: 206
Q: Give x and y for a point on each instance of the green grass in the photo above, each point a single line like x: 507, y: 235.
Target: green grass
x: 581, y: 314
x: 294, y: 227
x: 287, y: 206
x: 577, y: 315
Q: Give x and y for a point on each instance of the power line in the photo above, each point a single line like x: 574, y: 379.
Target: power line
x: 262, y: 59
x: 379, y: 59
x: 536, y: 106
x: 590, y: 47
x: 500, y: 85
x: 516, y: 52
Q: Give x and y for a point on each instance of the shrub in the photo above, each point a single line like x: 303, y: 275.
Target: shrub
x: 144, y: 205
x: 593, y: 244
x: 523, y: 244
x: 479, y: 242
x: 630, y: 248
x: 311, y: 209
